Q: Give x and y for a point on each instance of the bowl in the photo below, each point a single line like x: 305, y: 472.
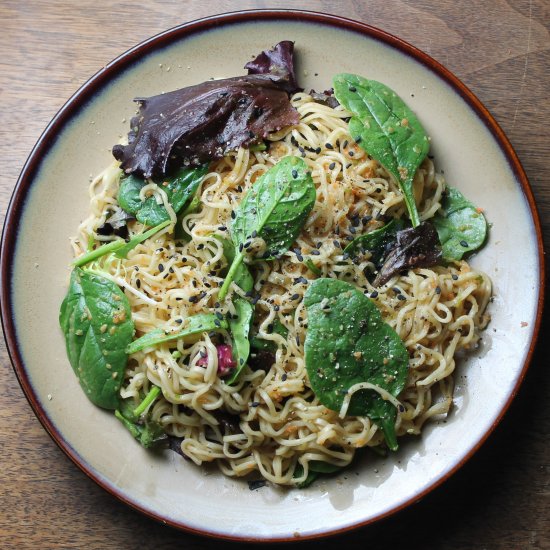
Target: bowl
x: 50, y: 199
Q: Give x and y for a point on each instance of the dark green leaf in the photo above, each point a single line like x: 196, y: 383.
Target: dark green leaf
x: 413, y: 247
x: 316, y: 469
x: 148, y: 432
x: 376, y: 243
x: 268, y: 345
x: 202, y: 322
x: 348, y: 343
x: 389, y: 130
x: 179, y: 190
x: 462, y: 229
x: 240, y: 328
x: 275, y: 209
x: 97, y: 323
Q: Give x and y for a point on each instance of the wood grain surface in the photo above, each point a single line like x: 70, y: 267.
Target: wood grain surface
x: 500, y: 49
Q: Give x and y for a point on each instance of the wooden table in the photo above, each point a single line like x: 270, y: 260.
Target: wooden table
x: 500, y: 49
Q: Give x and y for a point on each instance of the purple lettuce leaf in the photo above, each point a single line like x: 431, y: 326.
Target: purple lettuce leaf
x: 278, y: 61
x: 415, y: 247
x: 201, y: 123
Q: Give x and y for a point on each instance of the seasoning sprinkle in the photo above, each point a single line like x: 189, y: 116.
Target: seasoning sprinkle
x: 332, y: 166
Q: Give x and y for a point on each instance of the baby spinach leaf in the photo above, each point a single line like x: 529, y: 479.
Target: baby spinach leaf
x: 316, y: 469
x: 202, y: 322
x: 414, y: 247
x: 97, y: 323
x: 148, y: 432
x: 376, y: 242
x: 388, y: 130
x: 462, y: 228
x: 347, y: 343
x: 240, y: 328
x: 275, y: 209
x: 268, y: 345
x: 179, y: 189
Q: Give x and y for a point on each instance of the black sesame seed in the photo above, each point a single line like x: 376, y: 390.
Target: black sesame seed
x: 351, y: 153
x: 217, y: 323
x: 374, y: 294
x: 222, y: 228
x: 317, y: 150
x: 200, y: 246
x: 332, y: 166
x: 315, y: 252
x: 179, y: 321
x: 254, y: 234
x: 455, y: 277
x: 233, y: 214
x: 401, y: 297
x: 438, y: 290
x: 276, y: 308
x: 295, y: 297
x: 337, y: 244
x: 345, y: 144
x: 255, y: 404
x: 284, y: 377
x: 366, y: 219
x: 161, y: 268
x: 294, y: 174
x: 464, y: 244
x: 329, y: 146
x: 352, y: 89
x: 241, y: 247
x: 219, y: 315
x: 357, y: 139
x: 138, y: 283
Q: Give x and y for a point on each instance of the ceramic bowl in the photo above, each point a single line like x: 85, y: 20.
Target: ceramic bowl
x: 51, y: 199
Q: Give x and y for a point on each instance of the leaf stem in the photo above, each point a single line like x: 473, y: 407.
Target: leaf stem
x: 230, y: 274
x: 149, y: 398
x: 98, y: 252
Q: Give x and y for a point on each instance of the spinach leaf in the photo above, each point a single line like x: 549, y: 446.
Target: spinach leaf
x: 388, y: 130
x: 202, y: 322
x: 462, y: 229
x: 275, y: 209
x: 316, y: 469
x: 179, y: 189
x: 414, y: 247
x: 96, y: 320
x: 240, y: 328
x: 119, y: 247
x: 348, y: 343
x: 268, y: 345
x: 376, y: 242
x: 148, y: 432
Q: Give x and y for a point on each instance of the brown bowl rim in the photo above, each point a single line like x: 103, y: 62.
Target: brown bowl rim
x: 124, y: 61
